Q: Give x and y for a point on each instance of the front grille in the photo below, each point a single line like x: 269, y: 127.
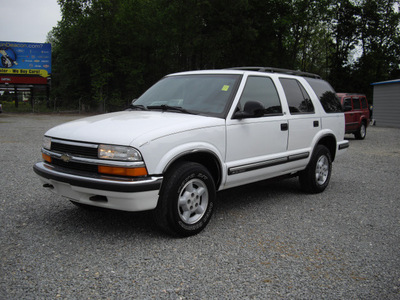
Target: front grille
x: 74, y: 149
x: 75, y: 165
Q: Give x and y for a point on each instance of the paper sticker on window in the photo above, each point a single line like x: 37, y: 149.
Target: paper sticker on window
x: 225, y: 88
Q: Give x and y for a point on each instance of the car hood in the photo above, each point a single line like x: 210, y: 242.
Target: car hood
x: 133, y: 128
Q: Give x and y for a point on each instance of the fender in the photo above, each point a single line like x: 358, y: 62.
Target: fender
x: 318, y: 139
x: 183, y: 150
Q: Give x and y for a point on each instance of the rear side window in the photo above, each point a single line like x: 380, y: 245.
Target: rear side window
x: 298, y: 99
x: 347, y: 102
x: 364, y: 103
x: 356, y: 103
x: 326, y: 95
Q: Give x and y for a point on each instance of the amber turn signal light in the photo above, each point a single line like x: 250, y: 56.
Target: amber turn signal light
x: 46, y: 157
x: 133, y: 172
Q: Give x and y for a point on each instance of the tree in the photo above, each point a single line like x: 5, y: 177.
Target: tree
x: 380, y: 36
x: 345, y: 36
x: 106, y: 52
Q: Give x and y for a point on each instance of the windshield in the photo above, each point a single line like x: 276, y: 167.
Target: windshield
x: 200, y: 94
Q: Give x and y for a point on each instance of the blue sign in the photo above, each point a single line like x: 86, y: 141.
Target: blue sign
x: 25, y: 58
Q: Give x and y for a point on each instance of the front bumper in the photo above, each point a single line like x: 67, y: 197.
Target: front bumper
x: 129, y: 194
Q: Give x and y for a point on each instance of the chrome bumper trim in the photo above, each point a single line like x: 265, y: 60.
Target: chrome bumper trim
x: 96, y: 181
x: 344, y: 145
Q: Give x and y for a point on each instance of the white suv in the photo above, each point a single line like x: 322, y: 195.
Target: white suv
x: 193, y: 134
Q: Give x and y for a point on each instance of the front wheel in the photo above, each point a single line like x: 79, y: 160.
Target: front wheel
x: 315, y: 178
x: 186, y: 200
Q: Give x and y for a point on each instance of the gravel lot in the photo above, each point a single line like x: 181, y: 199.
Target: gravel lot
x: 266, y: 240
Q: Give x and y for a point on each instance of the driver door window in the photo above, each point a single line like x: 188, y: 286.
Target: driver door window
x: 261, y: 89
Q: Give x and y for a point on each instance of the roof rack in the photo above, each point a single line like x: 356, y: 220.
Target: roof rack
x: 277, y: 70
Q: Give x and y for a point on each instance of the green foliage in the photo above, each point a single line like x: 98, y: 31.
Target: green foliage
x: 107, y: 52
x: 39, y: 106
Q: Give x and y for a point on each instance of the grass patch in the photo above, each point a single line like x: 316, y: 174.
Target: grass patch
x: 25, y: 107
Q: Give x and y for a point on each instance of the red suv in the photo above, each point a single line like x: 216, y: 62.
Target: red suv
x: 356, y: 113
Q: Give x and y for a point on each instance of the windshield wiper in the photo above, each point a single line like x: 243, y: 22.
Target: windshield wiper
x: 140, y: 107
x: 167, y: 107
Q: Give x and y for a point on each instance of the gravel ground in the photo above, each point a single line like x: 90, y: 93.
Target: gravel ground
x: 266, y: 240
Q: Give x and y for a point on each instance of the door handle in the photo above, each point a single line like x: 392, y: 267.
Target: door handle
x: 284, y: 126
x: 316, y: 123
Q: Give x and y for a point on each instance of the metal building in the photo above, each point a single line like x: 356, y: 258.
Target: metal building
x: 386, y: 109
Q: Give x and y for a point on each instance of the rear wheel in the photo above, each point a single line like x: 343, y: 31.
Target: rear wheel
x: 315, y: 178
x: 362, y: 132
x: 186, y: 200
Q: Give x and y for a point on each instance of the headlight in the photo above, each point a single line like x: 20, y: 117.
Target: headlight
x: 46, y: 143
x: 119, y: 153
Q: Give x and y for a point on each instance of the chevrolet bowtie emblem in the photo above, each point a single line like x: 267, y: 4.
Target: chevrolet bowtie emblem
x: 66, y: 158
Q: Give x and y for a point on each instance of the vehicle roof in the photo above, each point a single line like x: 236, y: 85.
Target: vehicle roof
x: 255, y: 70
x: 349, y: 94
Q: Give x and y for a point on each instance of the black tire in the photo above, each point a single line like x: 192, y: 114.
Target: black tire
x: 186, y: 200
x: 362, y: 132
x: 315, y: 178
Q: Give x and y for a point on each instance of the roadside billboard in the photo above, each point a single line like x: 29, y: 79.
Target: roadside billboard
x: 25, y: 59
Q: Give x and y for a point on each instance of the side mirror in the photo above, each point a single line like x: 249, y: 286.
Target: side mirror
x: 252, y: 109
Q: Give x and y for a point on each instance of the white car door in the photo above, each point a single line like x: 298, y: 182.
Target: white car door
x: 304, y: 123
x: 256, y: 146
